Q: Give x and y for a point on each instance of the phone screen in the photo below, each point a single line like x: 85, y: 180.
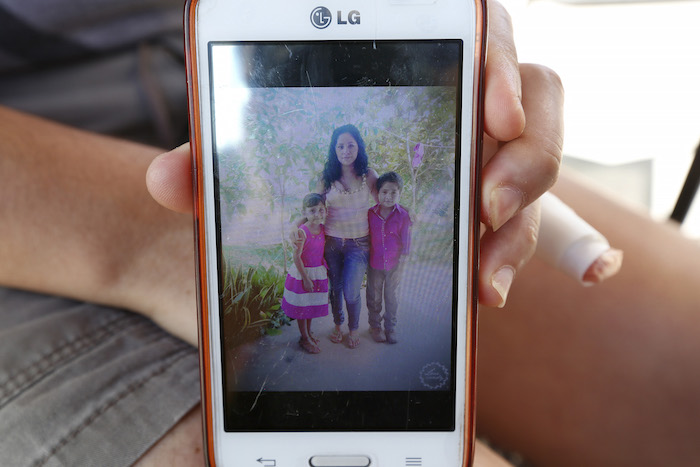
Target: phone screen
x: 275, y: 107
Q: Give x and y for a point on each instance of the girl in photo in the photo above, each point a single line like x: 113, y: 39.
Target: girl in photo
x: 306, y: 288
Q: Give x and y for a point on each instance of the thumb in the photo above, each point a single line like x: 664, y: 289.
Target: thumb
x: 169, y: 179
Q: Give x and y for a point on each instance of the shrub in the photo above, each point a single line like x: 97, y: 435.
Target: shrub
x: 250, y: 304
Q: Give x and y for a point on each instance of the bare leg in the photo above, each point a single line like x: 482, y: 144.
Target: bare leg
x: 303, y: 328
x: 309, y: 333
x: 181, y: 446
x: 306, y: 342
x: 604, y: 375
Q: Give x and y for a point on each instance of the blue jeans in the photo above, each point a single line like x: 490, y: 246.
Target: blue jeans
x: 347, y: 260
x: 73, y: 375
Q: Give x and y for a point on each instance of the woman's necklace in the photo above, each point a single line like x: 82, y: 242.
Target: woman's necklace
x: 350, y: 188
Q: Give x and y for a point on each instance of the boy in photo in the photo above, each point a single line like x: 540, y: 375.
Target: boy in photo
x: 390, y: 240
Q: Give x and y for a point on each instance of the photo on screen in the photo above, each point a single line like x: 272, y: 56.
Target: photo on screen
x: 273, y: 139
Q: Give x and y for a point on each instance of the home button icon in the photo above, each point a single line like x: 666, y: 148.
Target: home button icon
x: 340, y: 461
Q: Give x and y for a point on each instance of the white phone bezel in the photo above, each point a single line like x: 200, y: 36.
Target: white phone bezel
x: 383, y: 20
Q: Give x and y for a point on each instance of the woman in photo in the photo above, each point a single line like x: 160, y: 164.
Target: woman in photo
x: 348, y: 184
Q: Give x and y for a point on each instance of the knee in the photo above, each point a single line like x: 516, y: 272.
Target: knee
x: 352, y: 295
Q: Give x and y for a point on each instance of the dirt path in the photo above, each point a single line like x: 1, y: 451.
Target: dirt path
x: 419, y: 361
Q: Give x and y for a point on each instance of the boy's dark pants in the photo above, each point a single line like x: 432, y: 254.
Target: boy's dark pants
x: 379, y: 281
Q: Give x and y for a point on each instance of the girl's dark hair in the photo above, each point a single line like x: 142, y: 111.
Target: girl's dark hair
x: 332, y: 171
x: 311, y: 200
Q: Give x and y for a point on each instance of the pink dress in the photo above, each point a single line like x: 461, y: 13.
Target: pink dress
x: 297, y: 303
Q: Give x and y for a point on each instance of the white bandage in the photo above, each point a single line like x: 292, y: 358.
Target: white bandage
x: 566, y: 241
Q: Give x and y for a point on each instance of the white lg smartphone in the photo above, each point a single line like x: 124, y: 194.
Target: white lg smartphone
x: 336, y: 157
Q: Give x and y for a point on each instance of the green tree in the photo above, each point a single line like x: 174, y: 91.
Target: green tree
x: 233, y: 184
x: 419, y: 115
x: 284, y: 157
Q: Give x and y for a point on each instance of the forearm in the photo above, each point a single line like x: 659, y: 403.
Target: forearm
x: 300, y: 265
x: 598, y: 374
x: 77, y: 221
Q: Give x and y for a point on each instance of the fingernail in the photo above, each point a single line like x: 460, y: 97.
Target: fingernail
x: 505, y: 202
x: 501, y: 280
x: 606, y: 265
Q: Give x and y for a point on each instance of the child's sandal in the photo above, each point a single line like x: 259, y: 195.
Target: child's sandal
x: 309, y: 346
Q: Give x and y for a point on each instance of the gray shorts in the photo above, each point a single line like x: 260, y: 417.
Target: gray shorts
x: 82, y: 384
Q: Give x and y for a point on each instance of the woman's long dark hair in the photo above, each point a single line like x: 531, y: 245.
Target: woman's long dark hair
x: 333, y: 169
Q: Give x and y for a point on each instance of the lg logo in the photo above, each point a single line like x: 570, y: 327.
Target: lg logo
x: 321, y: 17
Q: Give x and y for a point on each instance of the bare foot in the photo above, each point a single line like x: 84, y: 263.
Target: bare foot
x: 353, y: 339
x: 309, y: 346
x: 337, y: 336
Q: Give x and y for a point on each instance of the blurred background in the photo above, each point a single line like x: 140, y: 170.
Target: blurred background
x: 631, y: 71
